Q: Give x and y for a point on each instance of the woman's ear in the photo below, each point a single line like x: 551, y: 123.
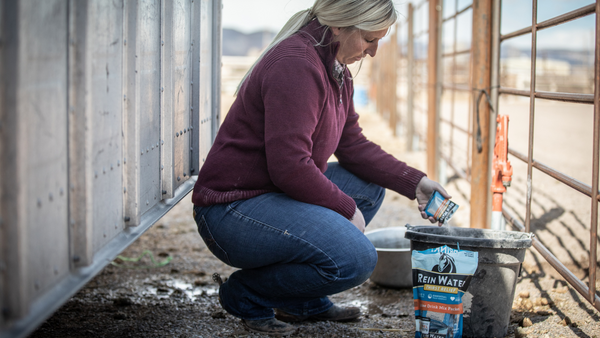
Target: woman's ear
x: 336, y: 31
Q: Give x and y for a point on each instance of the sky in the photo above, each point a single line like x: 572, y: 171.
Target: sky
x: 254, y: 15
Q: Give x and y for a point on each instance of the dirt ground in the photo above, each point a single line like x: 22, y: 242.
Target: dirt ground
x: 169, y: 291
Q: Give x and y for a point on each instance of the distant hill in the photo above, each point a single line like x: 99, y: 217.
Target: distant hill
x: 236, y: 43
x: 573, y: 57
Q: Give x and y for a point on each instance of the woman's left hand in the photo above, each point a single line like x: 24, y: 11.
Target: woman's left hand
x: 425, y: 189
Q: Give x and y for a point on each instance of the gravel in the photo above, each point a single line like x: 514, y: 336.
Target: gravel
x: 140, y: 299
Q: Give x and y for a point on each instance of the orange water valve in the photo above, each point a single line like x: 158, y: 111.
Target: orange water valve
x: 501, y: 168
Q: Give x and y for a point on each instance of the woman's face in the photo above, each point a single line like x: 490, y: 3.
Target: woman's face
x: 356, y: 44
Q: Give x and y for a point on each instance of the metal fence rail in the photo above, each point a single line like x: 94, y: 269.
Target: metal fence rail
x: 452, y: 86
x: 589, y: 292
x: 107, y: 109
x: 484, y: 81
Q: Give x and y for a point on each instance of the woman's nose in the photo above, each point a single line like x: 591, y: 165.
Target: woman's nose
x: 372, y: 50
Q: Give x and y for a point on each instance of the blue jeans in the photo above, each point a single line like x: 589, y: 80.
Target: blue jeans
x: 291, y: 254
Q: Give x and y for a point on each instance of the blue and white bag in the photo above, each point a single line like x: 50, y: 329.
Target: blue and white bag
x: 440, y: 279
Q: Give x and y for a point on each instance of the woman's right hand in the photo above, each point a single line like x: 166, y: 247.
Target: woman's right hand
x: 358, y: 220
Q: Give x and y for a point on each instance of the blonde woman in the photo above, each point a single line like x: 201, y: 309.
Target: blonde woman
x: 266, y: 200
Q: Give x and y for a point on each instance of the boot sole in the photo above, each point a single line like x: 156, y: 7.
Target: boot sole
x: 296, y: 319
x: 276, y: 334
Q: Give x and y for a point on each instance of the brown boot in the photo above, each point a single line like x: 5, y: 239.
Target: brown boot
x: 270, y: 326
x: 335, y: 313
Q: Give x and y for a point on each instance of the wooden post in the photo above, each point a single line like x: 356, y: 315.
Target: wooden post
x: 410, y: 129
x: 434, y: 90
x: 481, y: 83
x: 394, y: 80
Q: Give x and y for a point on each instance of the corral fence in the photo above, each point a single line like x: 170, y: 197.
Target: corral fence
x: 441, y: 83
x: 107, y: 111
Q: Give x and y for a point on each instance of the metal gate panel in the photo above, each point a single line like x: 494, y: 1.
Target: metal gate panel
x: 11, y: 272
x: 166, y: 104
x: 38, y: 238
x: 105, y: 47
x: 182, y: 85
x: 177, y: 105
x: 88, y: 92
x: 131, y: 119
x: 148, y: 102
x: 205, y: 107
x: 196, y: 161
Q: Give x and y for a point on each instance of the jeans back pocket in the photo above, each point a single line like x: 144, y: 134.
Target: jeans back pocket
x: 210, y: 242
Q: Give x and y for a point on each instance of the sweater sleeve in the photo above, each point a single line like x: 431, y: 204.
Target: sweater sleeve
x: 368, y: 161
x: 293, y: 92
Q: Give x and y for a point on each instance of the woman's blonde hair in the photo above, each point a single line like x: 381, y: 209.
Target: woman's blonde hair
x: 365, y: 15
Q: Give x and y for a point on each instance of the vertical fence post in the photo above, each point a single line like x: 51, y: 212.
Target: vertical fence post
x: 394, y: 80
x: 389, y: 86
x: 410, y: 129
x: 595, y: 169
x: 433, y: 89
x: 481, y: 83
x: 532, y: 86
x: 494, y: 95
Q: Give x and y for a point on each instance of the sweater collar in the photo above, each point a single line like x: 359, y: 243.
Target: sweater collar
x: 327, y: 49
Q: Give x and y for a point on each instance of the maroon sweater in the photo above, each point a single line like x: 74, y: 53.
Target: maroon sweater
x: 285, y: 123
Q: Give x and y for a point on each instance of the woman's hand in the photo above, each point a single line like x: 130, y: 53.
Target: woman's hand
x: 358, y: 220
x: 425, y: 189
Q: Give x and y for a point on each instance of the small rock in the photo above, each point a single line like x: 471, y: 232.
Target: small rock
x: 219, y: 314
x: 521, y: 332
x: 119, y: 316
x: 543, y: 313
x: 122, y: 301
x: 566, y: 321
x: 527, y: 304
x: 516, y: 317
x: 200, y: 282
x: 564, y: 289
x: 524, y: 294
x: 178, y: 293
x: 526, y: 322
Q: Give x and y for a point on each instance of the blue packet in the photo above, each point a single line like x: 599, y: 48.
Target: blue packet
x: 440, y: 208
x: 440, y: 279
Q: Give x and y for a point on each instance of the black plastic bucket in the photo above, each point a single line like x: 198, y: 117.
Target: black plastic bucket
x: 488, y: 300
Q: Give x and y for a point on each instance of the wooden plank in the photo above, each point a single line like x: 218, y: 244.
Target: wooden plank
x: 434, y: 90
x: 481, y: 82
